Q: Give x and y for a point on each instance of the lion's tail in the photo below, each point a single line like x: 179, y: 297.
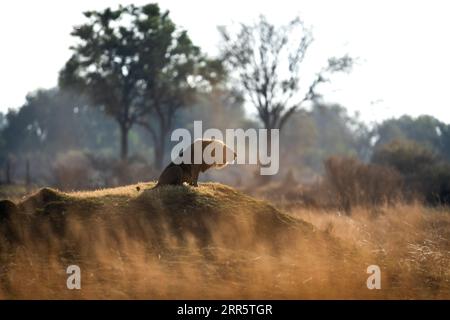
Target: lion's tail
x: 156, y: 186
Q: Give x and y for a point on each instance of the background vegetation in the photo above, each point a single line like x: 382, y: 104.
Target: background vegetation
x: 349, y: 194
x: 135, y: 75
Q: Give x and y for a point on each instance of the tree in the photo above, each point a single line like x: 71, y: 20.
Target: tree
x: 104, y: 66
x: 53, y: 121
x: 135, y: 63
x: 173, y: 70
x: 425, y: 173
x: 2, y: 120
x: 267, y: 63
x: 408, y: 157
x: 425, y: 130
x: 311, y: 136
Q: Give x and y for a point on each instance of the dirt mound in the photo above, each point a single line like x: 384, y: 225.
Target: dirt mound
x: 171, y: 242
x: 172, y: 213
x: 213, y: 242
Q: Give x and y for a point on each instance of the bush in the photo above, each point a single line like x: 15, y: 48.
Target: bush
x: 435, y: 182
x: 354, y: 183
x: 73, y: 171
x: 407, y: 157
x: 426, y: 176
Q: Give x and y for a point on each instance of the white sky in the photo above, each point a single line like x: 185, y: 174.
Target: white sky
x: 403, y: 46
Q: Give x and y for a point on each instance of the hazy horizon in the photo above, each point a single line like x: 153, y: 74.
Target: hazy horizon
x: 401, y: 47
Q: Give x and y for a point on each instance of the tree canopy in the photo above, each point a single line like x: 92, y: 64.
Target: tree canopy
x: 267, y: 62
x: 136, y: 63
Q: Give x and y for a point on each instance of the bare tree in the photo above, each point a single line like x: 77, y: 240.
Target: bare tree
x: 267, y: 62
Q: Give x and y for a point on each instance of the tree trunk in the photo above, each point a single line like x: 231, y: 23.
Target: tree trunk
x: 269, y: 141
x: 264, y: 179
x: 27, y: 173
x: 8, y: 171
x: 159, y: 152
x: 123, y: 142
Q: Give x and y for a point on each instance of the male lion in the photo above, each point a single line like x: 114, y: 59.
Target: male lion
x: 177, y: 174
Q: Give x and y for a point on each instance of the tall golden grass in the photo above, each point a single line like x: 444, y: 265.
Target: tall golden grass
x: 127, y: 256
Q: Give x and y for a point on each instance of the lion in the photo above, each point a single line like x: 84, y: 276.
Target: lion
x: 178, y: 174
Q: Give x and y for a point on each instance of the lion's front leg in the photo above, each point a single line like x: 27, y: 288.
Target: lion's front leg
x: 194, y: 177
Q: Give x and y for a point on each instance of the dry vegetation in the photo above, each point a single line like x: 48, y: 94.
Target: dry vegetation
x: 215, y: 242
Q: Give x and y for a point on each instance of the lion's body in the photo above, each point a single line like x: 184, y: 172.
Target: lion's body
x: 177, y: 174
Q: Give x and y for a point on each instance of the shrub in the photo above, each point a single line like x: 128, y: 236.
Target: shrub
x: 425, y: 175
x: 435, y: 183
x: 354, y: 183
x: 73, y: 171
x: 407, y: 157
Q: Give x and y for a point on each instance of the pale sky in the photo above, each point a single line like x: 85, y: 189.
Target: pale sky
x: 403, y: 46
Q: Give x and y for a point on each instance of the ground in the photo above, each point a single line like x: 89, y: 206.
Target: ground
x: 215, y: 242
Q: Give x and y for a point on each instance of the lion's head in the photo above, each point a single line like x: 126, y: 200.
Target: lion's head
x: 211, y: 153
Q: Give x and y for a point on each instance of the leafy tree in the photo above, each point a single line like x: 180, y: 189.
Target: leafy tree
x: 171, y: 76
x: 426, y: 176
x: 312, y: 136
x: 408, y: 157
x: 267, y: 63
x: 52, y: 121
x: 135, y: 63
x: 445, y: 142
x: 425, y: 130
x: 219, y: 108
x: 2, y: 120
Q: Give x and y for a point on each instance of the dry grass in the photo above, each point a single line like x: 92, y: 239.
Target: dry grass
x: 215, y: 242
x: 411, y: 244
